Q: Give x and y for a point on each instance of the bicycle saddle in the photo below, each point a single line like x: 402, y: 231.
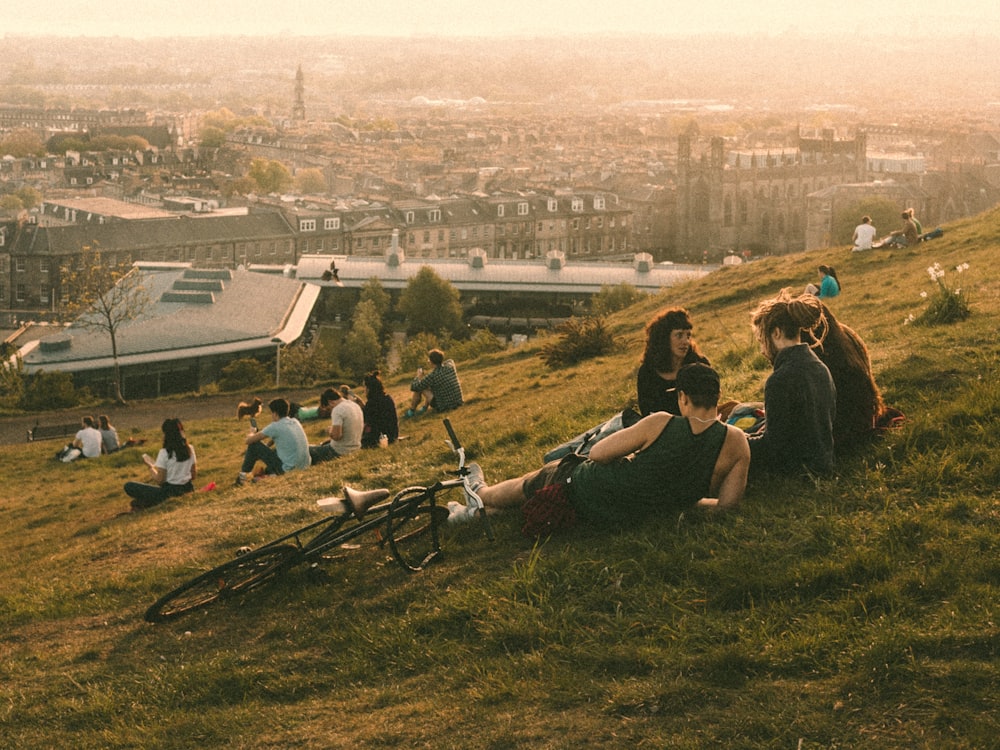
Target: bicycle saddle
x: 359, y: 502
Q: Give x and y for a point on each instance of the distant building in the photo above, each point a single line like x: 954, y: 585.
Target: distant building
x: 198, y: 322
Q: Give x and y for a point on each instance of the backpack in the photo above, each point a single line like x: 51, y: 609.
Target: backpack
x: 547, y: 510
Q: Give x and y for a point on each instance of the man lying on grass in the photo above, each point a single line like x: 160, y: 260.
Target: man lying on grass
x: 660, y: 464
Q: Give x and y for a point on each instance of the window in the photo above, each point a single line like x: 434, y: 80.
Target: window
x: 3, y: 292
x: 427, y: 235
x: 374, y: 243
x: 331, y: 222
x: 20, y: 294
x: 500, y: 210
x: 43, y: 264
x: 307, y: 225
x: 20, y: 265
x: 434, y: 214
x: 43, y: 294
x: 412, y: 238
x: 576, y: 224
x: 440, y: 235
x: 409, y: 217
x: 553, y: 204
x: 522, y: 209
x: 600, y: 222
x: 577, y: 205
x: 599, y: 202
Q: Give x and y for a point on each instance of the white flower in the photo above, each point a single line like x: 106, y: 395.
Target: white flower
x: 923, y: 295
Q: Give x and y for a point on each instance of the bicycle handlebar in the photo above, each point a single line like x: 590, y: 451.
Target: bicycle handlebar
x: 451, y: 434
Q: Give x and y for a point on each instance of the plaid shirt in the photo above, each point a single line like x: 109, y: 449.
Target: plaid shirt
x: 442, y: 381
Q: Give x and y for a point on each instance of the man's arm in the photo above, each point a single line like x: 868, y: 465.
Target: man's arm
x: 735, y: 455
x: 631, y: 439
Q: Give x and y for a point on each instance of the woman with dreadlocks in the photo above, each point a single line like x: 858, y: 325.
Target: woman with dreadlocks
x: 799, y: 396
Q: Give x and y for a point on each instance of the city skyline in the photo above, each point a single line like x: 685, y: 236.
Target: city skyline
x: 167, y: 18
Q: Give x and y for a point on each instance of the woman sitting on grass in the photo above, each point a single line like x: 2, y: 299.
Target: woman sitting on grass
x: 669, y: 346
x: 174, y: 469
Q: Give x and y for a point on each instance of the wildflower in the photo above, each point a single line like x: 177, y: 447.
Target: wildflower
x: 923, y: 295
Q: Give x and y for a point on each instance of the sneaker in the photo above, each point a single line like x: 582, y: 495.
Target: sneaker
x: 422, y: 410
x: 242, y: 478
x: 476, y: 478
x: 460, y: 512
x: 408, y: 414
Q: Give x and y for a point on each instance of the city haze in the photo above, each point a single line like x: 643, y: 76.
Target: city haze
x: 887, y: 19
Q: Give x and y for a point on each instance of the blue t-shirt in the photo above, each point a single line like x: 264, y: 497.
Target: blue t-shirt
x: 290, y: 443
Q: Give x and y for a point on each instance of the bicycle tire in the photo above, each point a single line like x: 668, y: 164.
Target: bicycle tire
x: 239, y: 575
x: 412, y: 528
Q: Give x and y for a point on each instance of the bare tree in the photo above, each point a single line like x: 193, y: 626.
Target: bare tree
x: 105, y: 296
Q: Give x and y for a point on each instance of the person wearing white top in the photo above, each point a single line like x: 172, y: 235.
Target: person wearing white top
x: 174, y: 469
x: 864, y: 234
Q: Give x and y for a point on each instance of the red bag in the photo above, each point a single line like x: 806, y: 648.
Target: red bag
x: 547, y: 511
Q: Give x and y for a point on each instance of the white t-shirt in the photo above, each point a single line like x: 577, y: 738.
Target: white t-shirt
x: 177, y: 472
x: 90, y: 442
x: 864, y: 234
x: 351, y: 419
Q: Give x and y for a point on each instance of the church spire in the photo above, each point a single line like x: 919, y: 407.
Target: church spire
x: 299, y: 108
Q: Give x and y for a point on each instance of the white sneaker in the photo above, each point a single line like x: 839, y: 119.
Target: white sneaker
x: 242, y: 478
x: 460, y: 512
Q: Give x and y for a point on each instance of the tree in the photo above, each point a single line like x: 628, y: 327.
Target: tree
x: 362, y: 350
x: 613, y: 298
x: 20, y: 143
x: 212, y: 137
x: 29, y: 196
x: 11, y: 203
x: 271, y: 176
x: 310, y: 181
x: 430, y: 304
x: 105, y: 297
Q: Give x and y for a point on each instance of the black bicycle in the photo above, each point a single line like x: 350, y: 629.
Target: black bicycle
x: 409, y: 524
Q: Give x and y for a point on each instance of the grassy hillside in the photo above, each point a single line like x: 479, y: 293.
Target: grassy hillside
x: 855, y: 611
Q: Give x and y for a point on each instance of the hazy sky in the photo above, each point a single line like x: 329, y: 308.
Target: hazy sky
x: 145, y: 18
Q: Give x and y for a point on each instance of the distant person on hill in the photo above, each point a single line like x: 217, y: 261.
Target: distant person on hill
x: 346, y: 423
x: 439, y: 389
x: 86, y: 443
x: 380, y: 413
x: 669, y: 346
x: 829, y: 284
x: 291, y: 446
x: 664, y: 463
x: 109, y: 435
x: 864, y: 234
x: 907, y: 236
x: 800, y: 399
x: 174, y: 469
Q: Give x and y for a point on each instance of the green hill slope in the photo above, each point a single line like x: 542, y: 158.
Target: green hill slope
x: 855, y: 611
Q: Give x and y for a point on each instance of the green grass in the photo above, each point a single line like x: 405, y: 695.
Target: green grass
x: 855, y: 611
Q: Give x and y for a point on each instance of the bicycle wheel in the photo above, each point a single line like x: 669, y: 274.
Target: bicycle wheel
x: 241, y: 574
x: 412, y: 528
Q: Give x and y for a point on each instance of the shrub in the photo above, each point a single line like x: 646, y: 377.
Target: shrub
x: 579, y: 339
x: 50, y: 390
x: 243, y: 374
x: 482, y: 342
x: 947, y: 305
x: 614, y: 298
x: 301, y: 365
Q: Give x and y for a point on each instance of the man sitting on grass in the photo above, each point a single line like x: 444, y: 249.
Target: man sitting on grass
x: 440, y: 389
x: 291, y: 446
x: 661, y: 463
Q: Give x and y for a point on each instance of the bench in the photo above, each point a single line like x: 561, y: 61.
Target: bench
x: 52, y: 431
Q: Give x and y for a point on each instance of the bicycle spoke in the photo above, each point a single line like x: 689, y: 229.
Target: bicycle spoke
x: 412, y: 528
x: 236, y: 576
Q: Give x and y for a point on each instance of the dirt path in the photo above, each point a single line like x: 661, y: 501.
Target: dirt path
x: 141, y: 415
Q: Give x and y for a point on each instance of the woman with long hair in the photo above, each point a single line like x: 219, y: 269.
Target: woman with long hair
x: 859, y: 401
x: 380, y: 413
x: 669, y: 346
x: 174, y: 469
x: 800, y: 399
x: 109, y: 435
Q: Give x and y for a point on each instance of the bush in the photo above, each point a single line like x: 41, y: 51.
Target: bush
x: 50, y: 390
x: 579, y: 339
x: 482, y: 342
x: 243, y: 374
x: 304, y: 366
x: 614, y: 298
x: 414, y: 354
